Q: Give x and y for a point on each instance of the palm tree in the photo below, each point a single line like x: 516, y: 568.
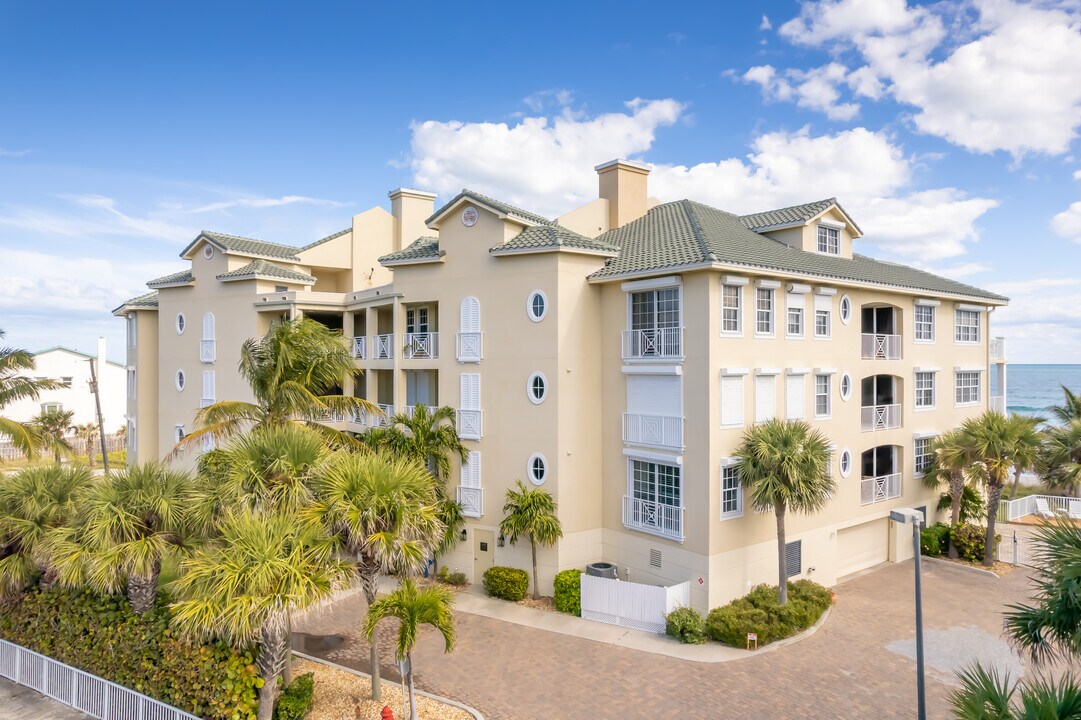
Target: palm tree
x: 1027, y: 442
x: 87, y: 433
x: 413, y: 608
x: 1059, y: 460
x: 53, y: 426
x: 243, y: 586
x: 294, y: 372
x: 15, y: 386
x: 984, y: 695
x: 784, y: 465
x: 531, y: 512
x: 1070, y: 409
x: 952, y: 465
x: 33, y: 503
x: 427, y: 434
x: 383, y: 509
x: 126, y: 523
x: 992, y: 441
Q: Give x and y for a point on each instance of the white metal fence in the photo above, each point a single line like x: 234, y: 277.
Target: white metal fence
x: 885, y: 347
x: 1041, y: 505
x: 880, y: 417
x: 1018, y: 549
x: 632, y: 605
x: 657, y: 430
x: 92, y: 695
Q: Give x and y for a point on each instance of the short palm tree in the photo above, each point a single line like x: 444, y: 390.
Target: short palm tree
x: 87, y: 434
x: 952, y: 465
x: 53, y: 427
x: 383, y: 510
x: 429, y: 435
x: 992, y: 441
x: 126, y: 523
x: 1070, y: 409
x: 413, y: 608
x: 294, y: 372
x: 784, y: 465
x: 1027, y: 442
x: 15, y: 385
x: 33, y: 503
x: 1059, y: 460
x: 531, y: 512
x: 243, y: 586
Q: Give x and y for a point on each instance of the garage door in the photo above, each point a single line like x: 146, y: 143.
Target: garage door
x: 862, y: 546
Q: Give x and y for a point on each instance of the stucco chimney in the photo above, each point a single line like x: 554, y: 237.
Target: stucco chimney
x: 410, y: 209
x: 623, y: 185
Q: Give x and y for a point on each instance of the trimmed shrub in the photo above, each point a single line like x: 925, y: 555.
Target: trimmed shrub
x: 686, y: 625
x: 935, y: 540
x: 568, y: 592
x: 506, y: 583
x: 101, y: 635
x: 455, y: 578
x: 295, y: 701
x: 971, y: 541
x: 758, y: 612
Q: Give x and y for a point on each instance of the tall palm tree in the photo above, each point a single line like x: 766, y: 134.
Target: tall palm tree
x: 383, y: 510
x: 1027, y: 442
x: 14, y: 385
x: 531, y: 512
x: 1070, y: 409
x: 33, y: 503
x: 294, y: 372
x: 428, y: 434
x: 784, y: 465
x: 87, y: 433
x: 1059, y: 461
x: 53, y: 427
x: 952, y: 465
x: 242, y: 586
x: 413, y: 608
x: 126, y: 523
x: 992, y: 441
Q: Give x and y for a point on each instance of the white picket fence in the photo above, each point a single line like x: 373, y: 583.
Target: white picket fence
x: 92, y: 695
x: 633, y: 605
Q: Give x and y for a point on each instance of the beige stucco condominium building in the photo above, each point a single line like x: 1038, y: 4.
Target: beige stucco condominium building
x: 614, y: 356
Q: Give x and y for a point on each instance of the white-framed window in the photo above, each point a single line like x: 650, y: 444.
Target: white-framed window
x: 921, y: 454
x: 65, y: 381
x: 181, y: 323
x: 966, y: 325
x: 208, y: 251
x: 731, y: 491
x: 731, y: 309
x: 763, y: 311
x: 178, y: 433
x: 823, y: 316
x: 656, y: 483
x: 967, y: 387
x: 925, y: 389
x: 537, y: 469
x: 829, y: 240
x: 653, y: 310
x: 417, y: 319
x: 925, y: 323
x: 536, y: 305
x: 795, y: 394
x: 537, y: 388
x: 846, y: 386
x: 794, y: 325
x: 846, y: 463
x: 765, y: 397
x: 731, y: 400
x: 845, y: 309
x: 180, y: 381
x: 50, y: 407
x: 822, y: 396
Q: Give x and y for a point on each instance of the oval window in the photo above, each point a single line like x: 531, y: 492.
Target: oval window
x: 208, y: 251
x: 537, y: 469
x: 537, y: 305
x: 180, y: 381
x: 846, y: 462
x: 181, y: 323
x: 846, y: 386
x: 846, y: 309
x: 537, y: 388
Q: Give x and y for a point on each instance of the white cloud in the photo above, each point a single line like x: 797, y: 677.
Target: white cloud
x: 98, y: 216
x: 261, y: 202
x: 814, y: 89
x: 1043, y: 320
x: 1067, y: 224
x: 765, y: 24
x: 822, y: 22
x: 14, y: 153
x: 1077, y: 175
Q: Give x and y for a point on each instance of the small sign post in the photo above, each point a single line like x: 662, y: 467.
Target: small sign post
x: 752, y: 638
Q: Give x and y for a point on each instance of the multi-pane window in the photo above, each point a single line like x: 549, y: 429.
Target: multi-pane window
x: 925, y: 323
x: 655, y: 309
x: 925, y: 389
x: 731, y: 493
x: 416, y: 320
x: 823, y: 320
x: 967, y: 326
x: 921, y: 454
x: 731, y: 297
x: 763, y: 306
x: 795, y: 321
x: 829, y: 240
x: 822, y: 395
x: 967, y: 388
x: 653, y: 482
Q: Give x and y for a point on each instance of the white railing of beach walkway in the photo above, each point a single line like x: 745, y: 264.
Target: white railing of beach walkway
x: 85, y: 692
x: 1010, y: 510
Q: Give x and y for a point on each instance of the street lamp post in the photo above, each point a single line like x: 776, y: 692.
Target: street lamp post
x: 908, y: 516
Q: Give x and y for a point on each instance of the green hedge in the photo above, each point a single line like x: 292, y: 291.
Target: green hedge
x: 101, y: 635
x: 295, y: 701
x: 971, y: 541
x: 935, y: 540
x: 506, y: 583
x: 568, y: 592
x: 758, y: 612
x: 686, y: 625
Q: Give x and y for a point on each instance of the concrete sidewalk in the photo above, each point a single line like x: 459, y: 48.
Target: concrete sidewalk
x: 23, y: 703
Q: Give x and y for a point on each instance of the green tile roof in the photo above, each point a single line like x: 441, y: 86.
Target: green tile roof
x: 177, y: 278
x: 423, y: 248
x: 328, y: 238
x: 147, y: 300
x: 497, y: 205
x: 784, y: 216
x: 249, y: 246
x: 551, y: 237
x: 264, y: 269
x: 685, y: 233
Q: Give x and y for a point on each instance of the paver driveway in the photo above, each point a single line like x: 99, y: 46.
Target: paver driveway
x: 845, y: 670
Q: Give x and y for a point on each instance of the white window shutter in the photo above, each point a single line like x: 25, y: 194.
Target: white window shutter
x: 208, y: 385
x: 795, y: 300
x: 469, y: 318
x: 208, y: 326
x: 655, y: 395
x: 731, y: 400
x: 795, y: 399
x: 822, y: 302
x: 471, y: 470
x: 765, y: 397
x: 470, y: 391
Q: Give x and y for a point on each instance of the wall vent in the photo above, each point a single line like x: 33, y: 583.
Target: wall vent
x: 794, y: 555
x: 655, y: 558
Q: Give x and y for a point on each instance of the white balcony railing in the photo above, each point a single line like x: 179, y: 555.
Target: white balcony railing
x: 883, y: 347
x: 997, y: 403
x: 472, y: 501
x: 653, y: 517
x: 998, y: 350
x: 382, y: 346
x: 207, y: 351
x: 421, y: 345
x: 470, y: 424
x: 653, y: 343
x: 330, y: 416
x: 360, y: 348
x: 470, y: 347
x: 656, y: 430
x: 880, y: 417
x: 384, y: 419
x: 880, y: 488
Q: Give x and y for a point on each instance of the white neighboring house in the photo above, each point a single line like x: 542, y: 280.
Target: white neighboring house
x: 71, y: 369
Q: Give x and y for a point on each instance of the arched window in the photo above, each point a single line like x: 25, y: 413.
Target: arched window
x: 207, y: 349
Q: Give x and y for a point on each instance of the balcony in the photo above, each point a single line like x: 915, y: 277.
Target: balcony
x: 998, y: 350
x: 472, y: 501
x: 880, y: 488
x: 880, y: 417
x: 382, y: 346
x: 470, y: 347
x: 421, y: 345
x: 882, y: 347
x: 997, y: 403
x: 360, y: 348
x: 653, y: 517
x: 207, y: 351
x: 654, y: 430
x: 470, y: 424
x: 653, y: 343
x: 384, y: 419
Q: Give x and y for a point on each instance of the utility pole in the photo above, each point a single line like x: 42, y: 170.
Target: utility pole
x: 97, y: 403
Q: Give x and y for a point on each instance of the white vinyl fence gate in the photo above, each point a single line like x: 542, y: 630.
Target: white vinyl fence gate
x: 629, y: 604
x: 1018, y: 549
x: 81, y: 690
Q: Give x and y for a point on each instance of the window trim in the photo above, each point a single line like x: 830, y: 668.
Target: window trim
x: 529, y: 388
x: 529, y: 469
x: 738, y: 332
x: 835, y: 239
x: 180, y: 380
x: 957, y: 326
x: 740, y: 373
x: 772, y: 312
x: 828, y: 395
x: 846, y: 379
x: 956, y: 388
x: 921, y: 437
x: 180, y: 323
x: 916, y: 324
x: 842, y: 312
x: 529, y: 305
x: 842, y: 463
x: 916, y: 390
x: 730, y: 464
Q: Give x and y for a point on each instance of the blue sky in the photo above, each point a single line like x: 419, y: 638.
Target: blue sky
x: 949, y: 131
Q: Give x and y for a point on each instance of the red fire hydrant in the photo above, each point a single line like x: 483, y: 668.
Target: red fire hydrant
x: 387, y: 713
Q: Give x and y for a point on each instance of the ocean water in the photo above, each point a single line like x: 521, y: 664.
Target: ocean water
x: 1031, y: 389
